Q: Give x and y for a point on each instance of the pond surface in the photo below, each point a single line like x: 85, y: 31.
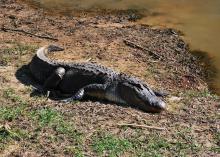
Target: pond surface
x: 199, y: 20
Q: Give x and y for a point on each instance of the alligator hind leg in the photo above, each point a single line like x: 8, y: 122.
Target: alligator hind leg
x: 53, y: 80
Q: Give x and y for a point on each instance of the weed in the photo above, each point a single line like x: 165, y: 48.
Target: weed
x: 10, y: 94
x: 215, y: 149
x: 45, y: 116
x: 74, y: 150
x: 67, y: 129
x: 203, y: 93
x: 217, y: 139
x: 7, y: 134
x: 15, y: 52
x: 48, y: 117
x: 186, y: 142
x: 10, y: 113
x: 152, y: 145
x: 109, y: 144
x: 19, y: 49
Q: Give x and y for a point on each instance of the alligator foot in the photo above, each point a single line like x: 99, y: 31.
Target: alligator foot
x: 78, y: 96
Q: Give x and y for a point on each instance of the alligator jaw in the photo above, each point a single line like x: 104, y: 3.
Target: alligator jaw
x: 112, y: 94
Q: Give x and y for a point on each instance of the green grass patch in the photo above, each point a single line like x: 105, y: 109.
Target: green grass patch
x: 15, y: 51
x: 51, y: 119
x: 152, y: 145
x: 48, y: 117
x: 185, y: 142
x: 203, y: 93
x: 7, y: 134
x: 10, y: 95
x: 111, y: 145
x: 10, y: 113
x: 20, y: 49
x: 74, y: 150
x: 216, y: 149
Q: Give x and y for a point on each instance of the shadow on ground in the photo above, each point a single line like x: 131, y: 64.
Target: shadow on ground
x: 24, y: 76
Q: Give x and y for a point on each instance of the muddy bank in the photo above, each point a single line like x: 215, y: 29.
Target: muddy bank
x: 158, y: 56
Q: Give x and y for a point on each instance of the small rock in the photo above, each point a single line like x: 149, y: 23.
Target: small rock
x: 174, y: 99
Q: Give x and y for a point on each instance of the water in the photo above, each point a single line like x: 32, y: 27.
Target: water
x: 199, y: 20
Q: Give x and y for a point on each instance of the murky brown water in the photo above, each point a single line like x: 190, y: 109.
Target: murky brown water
x: 199, y: 20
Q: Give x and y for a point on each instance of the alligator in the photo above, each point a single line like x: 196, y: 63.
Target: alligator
x: 80, y: 80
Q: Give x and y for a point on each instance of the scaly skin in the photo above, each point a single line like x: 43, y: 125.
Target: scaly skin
x: 79, y: 80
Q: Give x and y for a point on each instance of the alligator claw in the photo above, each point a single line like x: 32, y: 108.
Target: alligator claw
x: 48, y: 94
x: 68, y: 100
x: 38, y: 89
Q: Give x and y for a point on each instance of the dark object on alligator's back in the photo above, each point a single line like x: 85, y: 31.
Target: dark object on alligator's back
x: 78, y: 80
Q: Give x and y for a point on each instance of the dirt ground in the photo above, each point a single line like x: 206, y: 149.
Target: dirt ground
x: 37, y: 126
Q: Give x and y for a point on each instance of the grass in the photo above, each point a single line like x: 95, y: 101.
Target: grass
x: 38, y: 120
x: 10, y: 113
x: 108, y: 144
x: 48, y: 117
x: 15, y: 52
x: 8, y: 135
x: 9, y: 93
x: 200, y: 93
x: 183, y: 143
x: 53, y: 122
x: 47, y: 131
x: 217, y: 139
x: 74, y: 150
x: 186, y: 142
x: 153, y: 145
x: 19, y: 48
x: 156, y: 145
x: 45, y: 117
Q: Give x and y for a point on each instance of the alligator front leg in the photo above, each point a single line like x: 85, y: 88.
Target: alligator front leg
x: 53, y: 80
x: 93, y: 90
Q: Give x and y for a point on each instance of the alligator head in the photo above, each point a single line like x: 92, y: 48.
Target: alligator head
x: 140, y: 96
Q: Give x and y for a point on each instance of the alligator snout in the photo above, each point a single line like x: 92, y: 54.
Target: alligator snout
x: 159, y: 106
x: 156, y: 105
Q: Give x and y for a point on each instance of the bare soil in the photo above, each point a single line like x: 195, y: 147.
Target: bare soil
x: 192, y: 116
